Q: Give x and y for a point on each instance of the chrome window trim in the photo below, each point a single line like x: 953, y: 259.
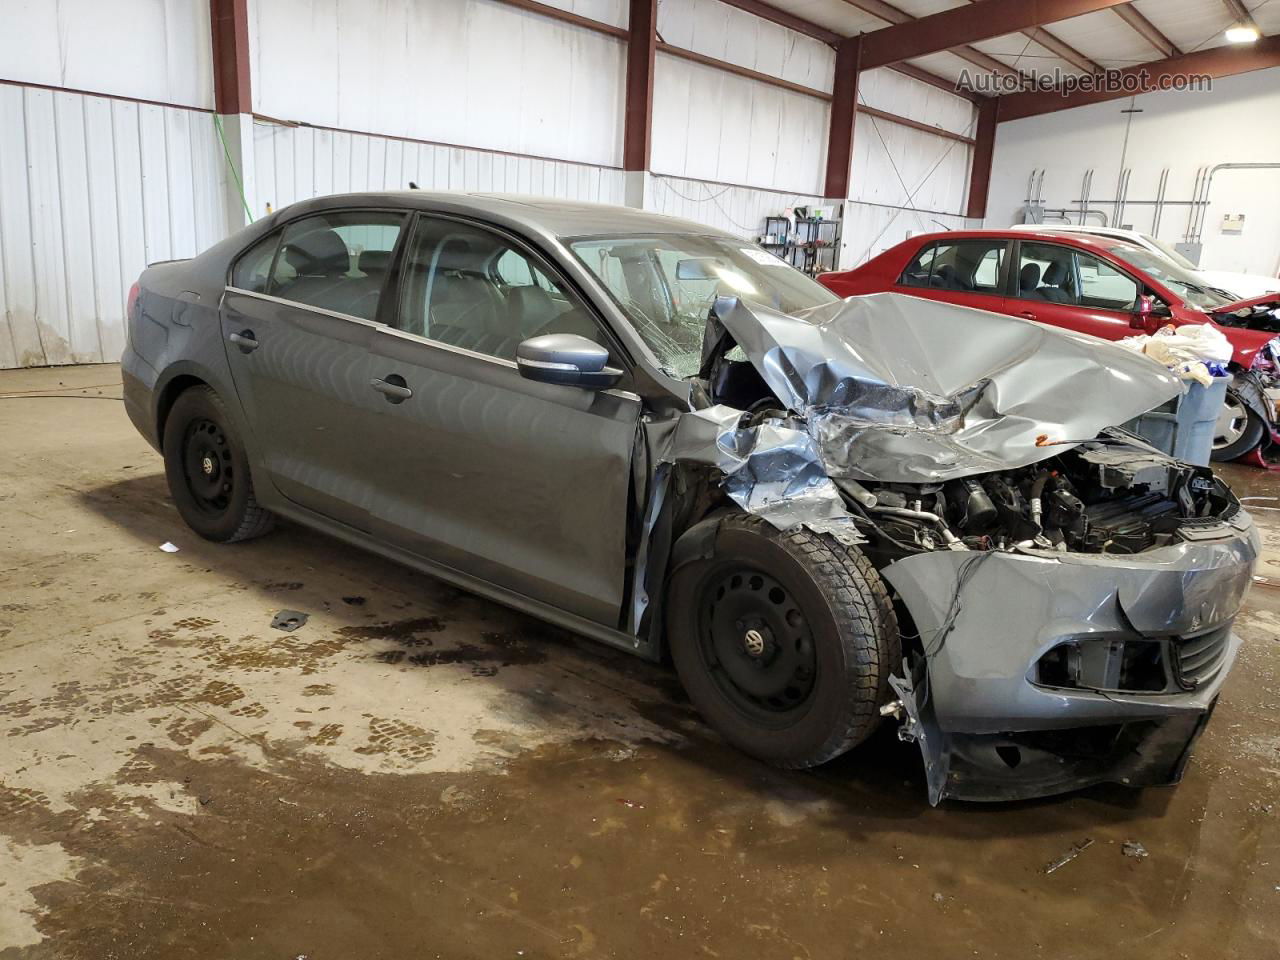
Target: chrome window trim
x: 304, y: 306
x: 419, y: 338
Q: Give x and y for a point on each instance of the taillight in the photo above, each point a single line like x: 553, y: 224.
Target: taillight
x: 132, y: 301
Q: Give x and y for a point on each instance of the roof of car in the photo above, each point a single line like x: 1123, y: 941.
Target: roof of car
x: 1007, y: 233
x: 561, y: 218
x: 1072, y: 228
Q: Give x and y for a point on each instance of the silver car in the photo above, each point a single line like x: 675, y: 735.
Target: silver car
x: 656, y: 434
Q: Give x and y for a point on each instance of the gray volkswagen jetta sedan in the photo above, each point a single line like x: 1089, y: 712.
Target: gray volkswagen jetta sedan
x: 824, y: 512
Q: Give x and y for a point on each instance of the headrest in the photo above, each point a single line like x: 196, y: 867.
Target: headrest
x: 318, y: 253
x: 376, y: 260
x: 1029, y: 277
x: 530, y: 308
x: 1055, y: 274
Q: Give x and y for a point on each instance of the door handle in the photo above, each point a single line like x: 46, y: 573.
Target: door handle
x: 1029, y: 314
x: 393, y: 387
x: 244, y: 340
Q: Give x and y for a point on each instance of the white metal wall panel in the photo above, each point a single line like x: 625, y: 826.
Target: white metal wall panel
x: 900, y: 166
x: 712, y: 125
x: 468, y: 72
x: 91, y: 190
x: 148, y: 49
x: 613, y: 12
x: 870, y: 229
x: 895, y: 93
x: 295, y: 163
x: 739, y: 210
x: 718, y: 30
x: 1104, y: 139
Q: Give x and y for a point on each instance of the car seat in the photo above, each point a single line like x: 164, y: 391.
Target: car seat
x: 1054, y: 276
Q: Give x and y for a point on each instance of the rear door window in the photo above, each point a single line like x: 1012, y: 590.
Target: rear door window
x: 965, y: 266
x: 337, y: 261
x: 1046, y: 271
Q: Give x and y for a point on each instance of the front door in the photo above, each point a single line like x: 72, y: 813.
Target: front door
x: 1069, y: 288
x: 298, y: 320
x: 521, y: 484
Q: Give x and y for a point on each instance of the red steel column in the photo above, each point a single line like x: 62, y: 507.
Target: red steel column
x: 642, y: 48
x: 844, y: 107
x: 229, y: 24
x: 983, y: 149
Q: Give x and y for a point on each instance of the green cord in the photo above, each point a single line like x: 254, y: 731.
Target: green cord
x: 226, y: 151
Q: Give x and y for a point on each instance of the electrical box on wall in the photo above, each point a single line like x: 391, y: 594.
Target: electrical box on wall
x: 1191, y: 251
x: 1233, y: 223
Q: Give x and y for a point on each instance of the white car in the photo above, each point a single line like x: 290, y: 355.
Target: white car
x: 1237, y: 286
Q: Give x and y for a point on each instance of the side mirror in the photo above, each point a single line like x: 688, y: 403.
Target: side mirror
x: 1144, y: 316
x: 566, y: 359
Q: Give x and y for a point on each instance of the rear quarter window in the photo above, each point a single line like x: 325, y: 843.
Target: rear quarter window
x: 252, y: 270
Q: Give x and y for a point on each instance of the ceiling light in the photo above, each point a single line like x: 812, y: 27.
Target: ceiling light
x: 1242, y: 33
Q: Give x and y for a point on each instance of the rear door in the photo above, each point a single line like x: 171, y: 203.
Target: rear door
x: 521, y: 484
x: 298, y: 320
x: 1070, y: 288
x: 970, y: 272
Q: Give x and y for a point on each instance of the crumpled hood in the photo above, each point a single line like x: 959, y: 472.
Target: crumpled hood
x: 894, y: 388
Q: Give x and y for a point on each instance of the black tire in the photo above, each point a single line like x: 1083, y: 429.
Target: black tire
x: 845, y: 616
x: 1252, y: 434
x: 208, y: 470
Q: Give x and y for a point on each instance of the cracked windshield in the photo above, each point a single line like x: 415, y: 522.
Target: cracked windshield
x: 666, y: 286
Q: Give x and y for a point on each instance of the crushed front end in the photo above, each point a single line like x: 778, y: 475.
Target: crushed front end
x: 1077, y: 631
x: 1066, y: 592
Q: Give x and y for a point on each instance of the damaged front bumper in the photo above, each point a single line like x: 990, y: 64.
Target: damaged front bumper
x: 1044, y: 672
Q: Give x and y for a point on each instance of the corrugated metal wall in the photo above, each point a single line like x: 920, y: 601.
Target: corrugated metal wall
x: 294, y: 163
x: 94, y: 187
x: 91, y: 190
x: 739, y: 210
x: 713, y: 125
x: 467, y: 72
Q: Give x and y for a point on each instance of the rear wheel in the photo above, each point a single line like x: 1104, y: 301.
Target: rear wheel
x: 1238, y: 429
x: 208, y: 471
x: 784, y: 641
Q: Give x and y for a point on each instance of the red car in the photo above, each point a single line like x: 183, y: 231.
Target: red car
x: 1092, y: 284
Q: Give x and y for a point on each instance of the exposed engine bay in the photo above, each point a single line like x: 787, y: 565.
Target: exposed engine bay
x: 1101, y: 497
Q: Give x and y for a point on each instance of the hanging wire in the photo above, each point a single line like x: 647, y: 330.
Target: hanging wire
x: 226, y: 152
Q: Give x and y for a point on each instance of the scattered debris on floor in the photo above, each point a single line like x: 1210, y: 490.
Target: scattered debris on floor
x: 288, y: 620
x: 168, y: 547
x: 1070, y: 855
x: 354, y: 601
x: 1132, y: 848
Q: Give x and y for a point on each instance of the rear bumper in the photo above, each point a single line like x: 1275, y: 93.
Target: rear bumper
x: 139, y: 380
x: 989, y: 730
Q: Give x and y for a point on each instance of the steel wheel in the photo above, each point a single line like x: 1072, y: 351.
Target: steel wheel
x: 207, y: 467
x: 757, y: 644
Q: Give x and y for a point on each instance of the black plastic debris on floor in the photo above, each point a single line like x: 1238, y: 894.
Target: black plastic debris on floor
x: 288, y: 620
x: 354, y: 601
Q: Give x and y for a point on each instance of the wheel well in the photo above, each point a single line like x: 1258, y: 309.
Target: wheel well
x: 172, y: 390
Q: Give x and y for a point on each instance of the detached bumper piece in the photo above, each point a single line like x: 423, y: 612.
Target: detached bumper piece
x: 1040, y: 763
x: 1042, y: 674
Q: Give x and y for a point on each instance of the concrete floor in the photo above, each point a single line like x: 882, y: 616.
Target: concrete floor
x: 418, y: 773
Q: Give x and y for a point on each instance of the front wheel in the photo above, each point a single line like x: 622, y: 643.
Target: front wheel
x: 784, y: 641
x: 208, y: 470
x: 1238, y: 429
